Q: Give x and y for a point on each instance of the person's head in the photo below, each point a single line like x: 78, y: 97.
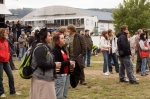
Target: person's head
x: 140, y: 31
x: 143, y: 36
x: 124, y: 28
x: 59, y: 40
x: 53, y: 32
x: 71, y: 29
x: 3, y: 34
x: 23, y: 33
x: 110, y: 32
x: 7, y: 22
x: 43, y: 35
x: 32, y: 33
x: 63, y: 30
x: 80, y: 32
x: 146, y: 32
x: 135, y: 33
x: 105, y: 34
x: 87, y: 32
x: 18, y: 22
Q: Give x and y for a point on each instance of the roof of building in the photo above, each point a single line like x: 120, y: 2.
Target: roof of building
x: 65, y: 11
x: 106, y: 16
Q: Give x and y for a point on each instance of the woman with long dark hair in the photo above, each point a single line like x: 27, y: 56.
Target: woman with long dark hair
x: 144, y: 53
x: 42, y: 83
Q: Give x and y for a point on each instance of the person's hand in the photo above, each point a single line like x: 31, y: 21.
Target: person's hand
x: 25, y: 36
x: 58, y: 64
x: 72, y: 63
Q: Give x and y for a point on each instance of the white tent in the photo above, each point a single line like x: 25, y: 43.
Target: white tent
x: 4, y: 10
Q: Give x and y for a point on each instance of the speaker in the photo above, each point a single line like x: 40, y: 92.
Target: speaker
x: 2, y: 21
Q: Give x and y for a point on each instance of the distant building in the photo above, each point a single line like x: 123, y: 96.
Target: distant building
x: 60, y: 16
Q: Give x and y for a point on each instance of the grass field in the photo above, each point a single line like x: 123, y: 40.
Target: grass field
x: 98, y: 87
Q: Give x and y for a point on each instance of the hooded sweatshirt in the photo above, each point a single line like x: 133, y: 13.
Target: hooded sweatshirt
x: 123, y: 44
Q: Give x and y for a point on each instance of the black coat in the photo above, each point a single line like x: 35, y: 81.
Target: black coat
x: 123, y: 44
x: 59, y: 58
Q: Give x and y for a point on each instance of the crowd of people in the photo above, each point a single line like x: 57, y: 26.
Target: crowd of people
x: 63, y: 50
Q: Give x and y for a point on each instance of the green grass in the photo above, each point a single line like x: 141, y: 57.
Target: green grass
x: 98, y: 87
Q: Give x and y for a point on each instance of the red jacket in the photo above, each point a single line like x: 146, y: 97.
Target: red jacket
x: 4, y: 51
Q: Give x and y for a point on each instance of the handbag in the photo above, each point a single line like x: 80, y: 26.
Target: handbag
x: 143, y: 53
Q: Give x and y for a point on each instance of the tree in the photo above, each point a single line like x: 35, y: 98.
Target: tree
x: 134, y: 13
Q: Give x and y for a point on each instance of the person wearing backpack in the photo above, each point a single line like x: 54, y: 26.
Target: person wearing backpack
x: 43, y: 63
x: 4, y: 64
x: 144, y: 53
x: 105, y: 49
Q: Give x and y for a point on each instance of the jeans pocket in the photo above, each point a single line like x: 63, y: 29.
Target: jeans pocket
x: 60, y: 80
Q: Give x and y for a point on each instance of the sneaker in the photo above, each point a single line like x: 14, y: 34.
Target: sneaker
x: 17, y: 93
x: 111, y: 72
x: 134, y: 82
x: 106, y: 74
x: 136, y: 78
x: 126, y: 79
x: 3, y: 96
x: 147, y: 70
x: 83, y: 83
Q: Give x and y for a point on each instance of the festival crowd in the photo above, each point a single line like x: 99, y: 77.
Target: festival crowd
x: 66, y: 51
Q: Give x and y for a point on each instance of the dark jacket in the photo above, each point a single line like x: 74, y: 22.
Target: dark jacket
x: 31, y: 40
x: 18, y: 26
x: 59, y: 58
x: 123, y: 44
x: 79, y: 45
x: 43, y: 61
x: 89, y: 42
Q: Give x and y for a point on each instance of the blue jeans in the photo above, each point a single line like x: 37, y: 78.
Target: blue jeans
x: 115, y: 60
x: 88, y: 56
x: 21, y: 52
x: 6, y: 67
x: 105, y: 65
x: 61, y: 86
x: 143, y: 66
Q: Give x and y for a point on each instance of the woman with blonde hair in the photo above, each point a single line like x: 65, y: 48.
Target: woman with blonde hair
x: 4, y: 63
x: 104, y: 45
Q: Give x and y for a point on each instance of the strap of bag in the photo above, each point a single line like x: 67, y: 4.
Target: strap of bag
x: 33, y: 51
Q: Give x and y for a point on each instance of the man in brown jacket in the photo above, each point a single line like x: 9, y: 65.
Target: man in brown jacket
x: 89, y: 44
x: 77, y: 49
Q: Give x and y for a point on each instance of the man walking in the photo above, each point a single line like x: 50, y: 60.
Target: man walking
x: 77, y: 49
x: 125, y: 55
x: 89, y: 44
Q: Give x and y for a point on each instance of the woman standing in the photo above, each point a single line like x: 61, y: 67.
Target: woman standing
x: 112, y: 40
x: 62, y: 81
x: 104, y: 49
x: 4, y: 63
x: 42, y: 83
x: 144, y: 53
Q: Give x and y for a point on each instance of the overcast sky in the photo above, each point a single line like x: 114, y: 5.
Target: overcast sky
x: 72, y: 3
